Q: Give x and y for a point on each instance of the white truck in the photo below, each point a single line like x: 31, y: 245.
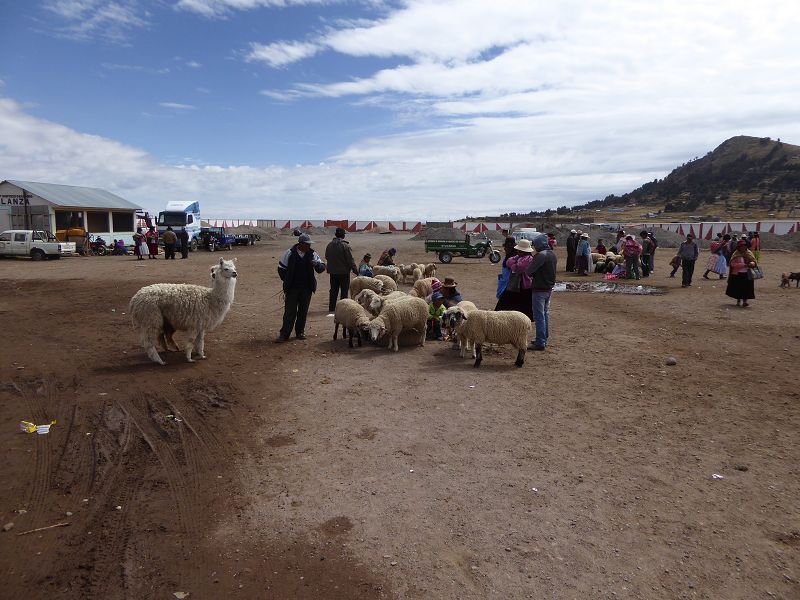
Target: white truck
x: 180, y: 215
x: 39, y: 245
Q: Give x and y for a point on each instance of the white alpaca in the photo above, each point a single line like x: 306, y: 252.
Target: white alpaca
x: 161, y: 309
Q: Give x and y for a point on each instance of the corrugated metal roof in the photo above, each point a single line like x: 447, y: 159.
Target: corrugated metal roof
x: 72, y: 195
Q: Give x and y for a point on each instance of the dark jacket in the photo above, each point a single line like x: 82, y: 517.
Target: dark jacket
x: 339, y: 257
x: 572, y: 243
x: 688, y: 251
x: 297, y: 272
x: 184, y: 237
x: 543, y: 266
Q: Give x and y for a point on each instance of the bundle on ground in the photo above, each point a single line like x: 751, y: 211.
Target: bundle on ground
x: 161, y: 309
x: 403, y: 314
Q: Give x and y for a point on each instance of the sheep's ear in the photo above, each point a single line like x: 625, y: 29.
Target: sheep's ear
x: 463, y: 316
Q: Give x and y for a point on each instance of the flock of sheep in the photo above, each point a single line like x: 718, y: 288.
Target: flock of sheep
x: 375, y: 309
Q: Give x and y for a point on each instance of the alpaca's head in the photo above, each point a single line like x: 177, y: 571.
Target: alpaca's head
x: 225, y: 270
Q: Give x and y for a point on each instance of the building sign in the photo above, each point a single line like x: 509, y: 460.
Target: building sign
x: 14, y: 200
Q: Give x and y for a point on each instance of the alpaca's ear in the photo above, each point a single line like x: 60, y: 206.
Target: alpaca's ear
x: 234, y: 259
x: 221, y: 262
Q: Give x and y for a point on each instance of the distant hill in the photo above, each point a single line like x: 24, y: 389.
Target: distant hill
x: 744, y: 177
x: 742, y: 164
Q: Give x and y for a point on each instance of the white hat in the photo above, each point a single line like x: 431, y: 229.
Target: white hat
x: 573, y: 231
x: 524, y: 246
x: 585, y: 235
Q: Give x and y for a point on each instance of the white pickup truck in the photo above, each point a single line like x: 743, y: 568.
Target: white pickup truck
x: 39, y: 245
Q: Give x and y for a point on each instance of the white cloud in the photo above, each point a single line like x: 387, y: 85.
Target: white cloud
x: 193, y: 64
x: 217, y: 8
x: 111, y: 21
x: 177, y: 105
x: 279, y: 54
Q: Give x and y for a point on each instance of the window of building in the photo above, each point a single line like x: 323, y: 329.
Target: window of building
x: 122, y: 221
x: 66, y: 219
x: 96, y: 221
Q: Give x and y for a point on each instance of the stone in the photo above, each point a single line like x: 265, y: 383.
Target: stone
x: 671, y: 361
x: 8, y: 526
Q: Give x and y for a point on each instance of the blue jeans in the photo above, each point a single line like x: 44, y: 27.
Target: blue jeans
x: 541, y: 317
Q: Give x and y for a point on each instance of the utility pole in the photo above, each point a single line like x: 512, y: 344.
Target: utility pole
x: 26, y: 209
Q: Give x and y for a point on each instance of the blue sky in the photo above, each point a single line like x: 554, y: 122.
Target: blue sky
x: 413, y: 109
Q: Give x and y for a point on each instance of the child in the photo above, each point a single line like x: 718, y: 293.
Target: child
x: 675, y: 263
x: 435, y: 312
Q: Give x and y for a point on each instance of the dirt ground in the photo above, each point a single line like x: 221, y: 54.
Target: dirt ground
x: 309, y: 470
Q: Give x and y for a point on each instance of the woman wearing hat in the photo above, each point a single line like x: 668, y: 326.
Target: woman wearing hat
x: 584, y: 255
x: 387, y: 257
x: 451, y: 295
x: 740, y: 286
x: 364, y: 268
x: 520, y: 280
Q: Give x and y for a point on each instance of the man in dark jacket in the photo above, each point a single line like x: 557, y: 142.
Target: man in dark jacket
x: 688, y: 251
x: 542, y: 271
x: 169, y: 238
x: 340, y: 264
x: 184, y: 237
x: 296, y: 268
x: 572, y: 249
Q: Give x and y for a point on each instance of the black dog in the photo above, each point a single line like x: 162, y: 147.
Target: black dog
x: 787, y: 279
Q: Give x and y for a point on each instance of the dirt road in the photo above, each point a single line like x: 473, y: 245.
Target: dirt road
x: 309, y: 470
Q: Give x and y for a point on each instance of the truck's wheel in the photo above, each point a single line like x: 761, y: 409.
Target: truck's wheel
x: 494, y: 257
x: 37, y: 254
x: 193, y: 245
x: 445, y: 257
x: 212, y: 246
x: 252, y: 241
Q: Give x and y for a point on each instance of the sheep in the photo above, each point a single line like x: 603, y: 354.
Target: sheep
x: 405, y: 271
x: 429, y: 270
x: 375, y: 303
x: 449, y: 319
x: 397, y: 316
x: 389, y: 284
x: 161, y: 309
x: 390, y: 271
x: 423, y: 287
x: 416, y: 275
x: 497, y: 327
x: 361, y: 282
x: 353, y: 318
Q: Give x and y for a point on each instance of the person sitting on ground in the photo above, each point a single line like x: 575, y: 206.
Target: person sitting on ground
x: 451, y: 295
x: 601, y: 248
x: 435, y: 312
x: 387, y: 257
x: 436, y: 286
x: 364, y: 268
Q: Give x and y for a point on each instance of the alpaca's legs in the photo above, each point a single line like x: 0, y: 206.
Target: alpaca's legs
x: 199, y: 344
x: 152, y: 353
x: 190, y: 339
x: 149, y: 339
x: 168, y: 339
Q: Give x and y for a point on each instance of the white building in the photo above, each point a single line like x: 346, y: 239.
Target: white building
x: 50, y: 206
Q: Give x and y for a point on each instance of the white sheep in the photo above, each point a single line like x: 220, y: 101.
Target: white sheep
x: 161, y: 309
x: 497, y: 327
x: 362, y: 282
x: 401, y: 315
x: 429, y: 270
x: 389, y: 284
x: 423, y: 287
x: 353, y: 318
x: 451, y: 317
x: 389, y: 270
x: 375, y: 303
x: 416, y: 275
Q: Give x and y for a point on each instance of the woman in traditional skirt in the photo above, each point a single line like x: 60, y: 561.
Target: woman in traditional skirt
x: 518, y: 266
x: 138, y: 242
x: 152, y: 242
x: 508, y: 300
x: 740, y: 286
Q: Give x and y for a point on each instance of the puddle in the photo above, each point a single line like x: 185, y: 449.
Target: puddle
x: 607, y: 287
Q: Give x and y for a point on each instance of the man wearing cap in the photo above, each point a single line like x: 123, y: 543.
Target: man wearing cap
x: 572, y: 248
x: 296, y: 268
x: 340, y: 264
x: 688, y: 253
x: 542, y: 271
